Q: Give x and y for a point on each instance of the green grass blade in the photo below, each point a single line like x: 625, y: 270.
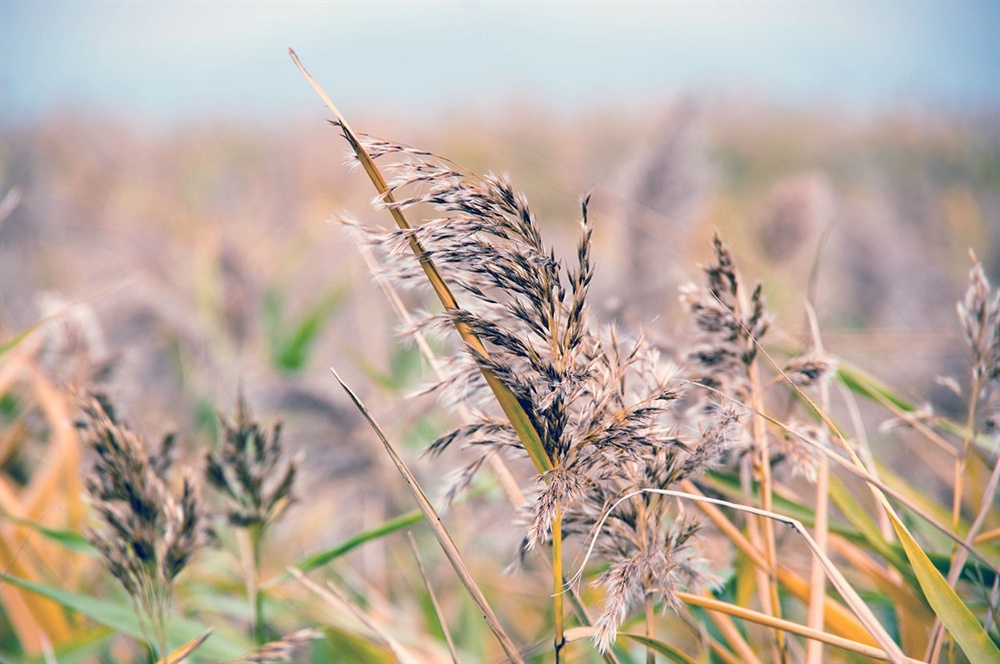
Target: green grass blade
x: 14, y: 341
x: 66, y: 538
x: 954, y: 614
x: 290, y: 350
x: 853, y: 511
x: 672, y: 653
x: 316, y: 560
x: 121, y: 617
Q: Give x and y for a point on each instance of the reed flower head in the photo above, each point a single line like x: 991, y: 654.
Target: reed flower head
x: 729, y: 324
x: 979, y: 313
x: 251, y: 470
x: 148, y: 535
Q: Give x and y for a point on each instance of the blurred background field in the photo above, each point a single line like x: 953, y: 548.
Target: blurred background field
x: 167, y: 219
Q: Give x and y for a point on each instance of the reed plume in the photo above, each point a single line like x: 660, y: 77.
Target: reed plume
x: 255, y: 476
x: 602, y: 403
x: 148, y: 536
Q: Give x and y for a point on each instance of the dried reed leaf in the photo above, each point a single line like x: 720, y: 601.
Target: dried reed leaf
x: 909, y: 603
x: 947, y: 605
x: 437, y: 527
x: 791, y: 627
x: 834, y: 614
x: 58, y: 478
x: 177, y: 655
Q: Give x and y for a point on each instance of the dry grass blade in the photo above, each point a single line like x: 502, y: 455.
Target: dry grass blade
x: 335, y: 598
x: 440, y: 532
x: 178, y: 655
x: 857, y: 468
x: 35, y: 620
x: 836, y: 615
x: 434, y: 601
x: 508, y: 402
x: 949, y: 608
x: 842, y: 585
x: 787, y: 626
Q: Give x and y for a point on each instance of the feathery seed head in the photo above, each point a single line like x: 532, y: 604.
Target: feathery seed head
x: 251, y: 471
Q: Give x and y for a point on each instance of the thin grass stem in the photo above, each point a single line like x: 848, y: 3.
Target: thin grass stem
x: 437, y: 527
x: 557, y: 583
x: 433, y: 596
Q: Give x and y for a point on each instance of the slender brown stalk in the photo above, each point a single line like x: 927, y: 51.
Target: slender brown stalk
x: 817, y: 577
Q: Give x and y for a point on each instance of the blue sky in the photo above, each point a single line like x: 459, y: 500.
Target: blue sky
x: 160, y: 62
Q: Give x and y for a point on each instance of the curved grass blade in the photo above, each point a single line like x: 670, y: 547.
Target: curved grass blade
x: 667, y: 650
x: 953, y: 613
x: 837, y: 579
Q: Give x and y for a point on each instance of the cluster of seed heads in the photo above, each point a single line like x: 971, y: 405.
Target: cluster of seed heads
x: 606, y: 406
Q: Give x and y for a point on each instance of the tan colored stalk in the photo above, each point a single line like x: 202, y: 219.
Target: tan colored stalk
x: 759, y: 618
x: 732, y: 635
x: 762, y: 463
x: 650, y: 628
x: 817, y: 578
x: 508, y: 402
x: 440, y: 532
x: 557, y: 583
x: 962, y: 458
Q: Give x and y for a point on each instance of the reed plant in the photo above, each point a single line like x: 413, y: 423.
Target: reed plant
x: 732, y: 493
